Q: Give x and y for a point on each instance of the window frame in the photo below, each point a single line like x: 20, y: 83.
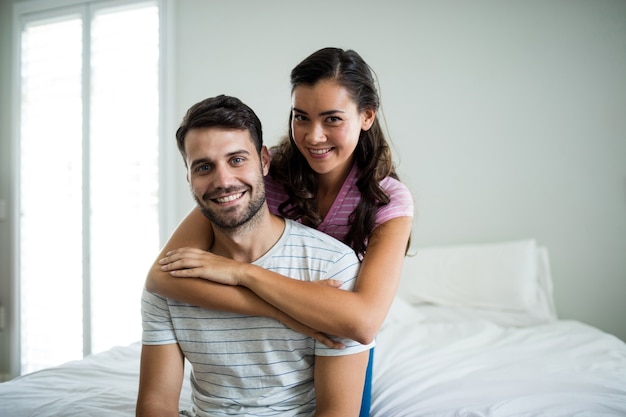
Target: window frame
x: 31, y: 10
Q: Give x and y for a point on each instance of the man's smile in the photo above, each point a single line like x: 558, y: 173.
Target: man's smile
x: 228, y: 198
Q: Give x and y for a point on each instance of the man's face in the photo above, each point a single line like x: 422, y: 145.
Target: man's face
x: 226, y: 175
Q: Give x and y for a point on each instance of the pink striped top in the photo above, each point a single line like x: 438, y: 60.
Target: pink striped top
x: 336, y: 221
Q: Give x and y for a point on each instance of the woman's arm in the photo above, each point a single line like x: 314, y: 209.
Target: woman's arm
x: 356, y: 314
x: 196, y: 231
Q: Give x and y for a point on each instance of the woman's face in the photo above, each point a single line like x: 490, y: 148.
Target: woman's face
x: 326, y: 125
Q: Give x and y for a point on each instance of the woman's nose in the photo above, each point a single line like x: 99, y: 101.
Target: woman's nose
x: 316, y: 134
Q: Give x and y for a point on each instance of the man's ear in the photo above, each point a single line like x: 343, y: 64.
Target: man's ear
x: 265, y: 160
x: 369, y: 115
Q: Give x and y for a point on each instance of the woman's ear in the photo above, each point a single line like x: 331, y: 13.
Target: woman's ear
x: 369, y: 115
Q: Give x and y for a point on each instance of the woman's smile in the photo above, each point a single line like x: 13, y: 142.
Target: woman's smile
x: 320, y: 151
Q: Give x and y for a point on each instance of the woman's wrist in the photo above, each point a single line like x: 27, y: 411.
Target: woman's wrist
x: 244, y: 274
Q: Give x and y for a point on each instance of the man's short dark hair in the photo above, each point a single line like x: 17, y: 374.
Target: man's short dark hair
x: 220, y: 111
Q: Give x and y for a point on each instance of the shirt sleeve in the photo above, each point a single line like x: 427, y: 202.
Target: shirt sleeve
x: 156, y: 320
x: 400, y: 204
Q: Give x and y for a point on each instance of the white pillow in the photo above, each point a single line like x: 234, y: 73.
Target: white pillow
x: 545, y: 309
x: 401, y: 312
x: 500, y: 276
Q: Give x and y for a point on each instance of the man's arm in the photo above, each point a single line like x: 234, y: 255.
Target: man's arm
x: 160, y: 380
x: 339, y: 382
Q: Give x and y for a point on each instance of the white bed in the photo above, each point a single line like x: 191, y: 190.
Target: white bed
x: 472, y: 332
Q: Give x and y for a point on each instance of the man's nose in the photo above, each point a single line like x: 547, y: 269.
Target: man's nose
x: 222, y: 177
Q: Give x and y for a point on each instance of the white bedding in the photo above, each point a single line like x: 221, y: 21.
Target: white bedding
x: 97, y: 386
x: 434, y: 362
x: 446, y: 360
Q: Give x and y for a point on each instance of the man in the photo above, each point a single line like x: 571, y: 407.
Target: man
x: 246, y: 365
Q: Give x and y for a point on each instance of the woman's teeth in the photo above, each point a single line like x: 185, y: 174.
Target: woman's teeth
x: 319, y: 151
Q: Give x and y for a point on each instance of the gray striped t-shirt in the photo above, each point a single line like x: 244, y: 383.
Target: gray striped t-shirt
x: 255, y: 366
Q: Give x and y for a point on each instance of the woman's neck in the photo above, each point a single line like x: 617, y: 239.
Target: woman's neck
x: 329, y: 185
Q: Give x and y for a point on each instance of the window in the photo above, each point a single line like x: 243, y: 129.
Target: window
x: 88, y: 176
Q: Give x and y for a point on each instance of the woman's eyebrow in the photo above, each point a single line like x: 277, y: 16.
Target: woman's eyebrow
x: 324, y: 113
x: 329, y: 112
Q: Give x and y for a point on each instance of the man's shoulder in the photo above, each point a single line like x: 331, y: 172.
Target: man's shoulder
x: 314, y: 255
x: 306, y: 232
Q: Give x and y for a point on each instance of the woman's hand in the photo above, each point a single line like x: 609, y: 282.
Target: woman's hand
x: 197, y: 263
x: 308, y: 331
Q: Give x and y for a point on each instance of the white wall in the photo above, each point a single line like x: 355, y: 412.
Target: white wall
x: 508, y: 118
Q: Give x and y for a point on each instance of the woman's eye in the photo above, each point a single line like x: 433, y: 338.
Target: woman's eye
x: 333, y: 119
x: 299, y: 117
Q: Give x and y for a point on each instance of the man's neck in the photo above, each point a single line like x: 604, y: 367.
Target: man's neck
x: 250, y: 241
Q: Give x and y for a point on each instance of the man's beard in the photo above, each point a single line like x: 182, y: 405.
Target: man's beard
x: 225, y: 221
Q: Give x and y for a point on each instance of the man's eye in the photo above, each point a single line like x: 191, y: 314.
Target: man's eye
x: 237, y: 160
x: 202, y: 168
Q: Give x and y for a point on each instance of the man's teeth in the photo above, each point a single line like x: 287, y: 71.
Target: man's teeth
x: 228, y: 198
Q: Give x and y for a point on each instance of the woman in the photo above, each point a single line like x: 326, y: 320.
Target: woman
x: 334, y: 172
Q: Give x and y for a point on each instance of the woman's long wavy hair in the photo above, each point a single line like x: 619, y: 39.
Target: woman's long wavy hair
x: 372, y: 154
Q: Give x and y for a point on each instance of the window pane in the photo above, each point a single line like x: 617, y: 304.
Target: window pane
x: 124, y: 169
x: 110, y: 221
x: 51, y: 172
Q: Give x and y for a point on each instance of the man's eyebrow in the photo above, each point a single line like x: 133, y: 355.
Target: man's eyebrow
x: 238, y: 152
x: 199, y: 161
